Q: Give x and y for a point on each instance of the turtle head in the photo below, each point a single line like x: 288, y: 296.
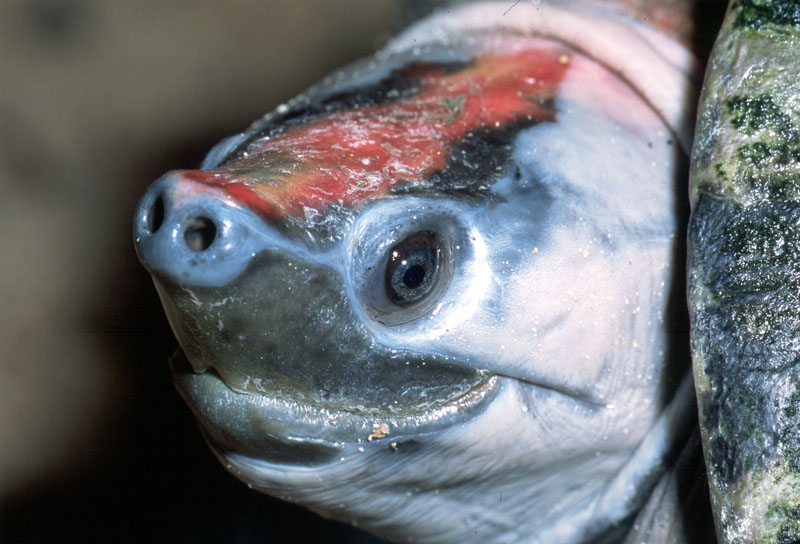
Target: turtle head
x: 430, y: 296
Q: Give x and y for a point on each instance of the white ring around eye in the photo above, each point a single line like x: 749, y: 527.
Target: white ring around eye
x: 368, y: 247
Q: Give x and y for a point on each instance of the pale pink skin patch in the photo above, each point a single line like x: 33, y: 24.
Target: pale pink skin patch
x: 596, y: 87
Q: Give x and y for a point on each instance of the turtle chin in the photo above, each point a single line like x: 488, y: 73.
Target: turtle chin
x: 285, y: 428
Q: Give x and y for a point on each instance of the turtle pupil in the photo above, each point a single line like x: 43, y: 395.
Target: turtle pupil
x: 414, y: 276
x: 412, y: 268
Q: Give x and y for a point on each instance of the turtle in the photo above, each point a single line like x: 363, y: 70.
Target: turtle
x: 459, y: 291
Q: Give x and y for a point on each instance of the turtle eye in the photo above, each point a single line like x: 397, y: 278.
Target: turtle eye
x: 412, y: 268
x: 410, y: 278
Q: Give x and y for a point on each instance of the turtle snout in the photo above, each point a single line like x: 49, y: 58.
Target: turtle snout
x: 190, y: 233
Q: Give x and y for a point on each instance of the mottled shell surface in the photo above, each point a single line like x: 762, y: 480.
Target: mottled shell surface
x: 744, y: 272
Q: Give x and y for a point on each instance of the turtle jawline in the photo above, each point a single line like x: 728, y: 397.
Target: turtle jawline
x: 459, y: 393
x: 309, y: 421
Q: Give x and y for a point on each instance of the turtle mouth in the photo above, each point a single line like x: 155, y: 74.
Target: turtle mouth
x: 279, y: 427
x: 289, y: 374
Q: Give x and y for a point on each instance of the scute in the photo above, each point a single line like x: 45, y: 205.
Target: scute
x: 744, y: 273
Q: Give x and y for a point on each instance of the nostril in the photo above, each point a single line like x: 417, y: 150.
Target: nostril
x: 200, y: 233
x: 155, y: 217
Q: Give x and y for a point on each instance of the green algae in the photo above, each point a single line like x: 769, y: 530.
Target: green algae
x: 755, y: 14
x: 744, y: 272
x: 751, y: 113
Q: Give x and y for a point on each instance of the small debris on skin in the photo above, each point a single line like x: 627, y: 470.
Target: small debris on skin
x: 378, y: 431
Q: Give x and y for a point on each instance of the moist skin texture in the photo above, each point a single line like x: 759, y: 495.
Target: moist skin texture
x: 562, y: 399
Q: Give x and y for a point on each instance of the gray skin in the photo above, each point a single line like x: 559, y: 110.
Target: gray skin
x: 540, y: 391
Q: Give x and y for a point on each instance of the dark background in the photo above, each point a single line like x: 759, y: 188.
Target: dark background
x: 98, y: 99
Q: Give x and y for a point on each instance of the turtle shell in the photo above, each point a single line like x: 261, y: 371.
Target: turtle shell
x: 744, y: 272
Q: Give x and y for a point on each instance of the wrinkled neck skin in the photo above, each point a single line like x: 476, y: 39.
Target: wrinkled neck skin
x: 546, y: 469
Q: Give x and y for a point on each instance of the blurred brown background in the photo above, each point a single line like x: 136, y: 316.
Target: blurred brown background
x: 97, y: 99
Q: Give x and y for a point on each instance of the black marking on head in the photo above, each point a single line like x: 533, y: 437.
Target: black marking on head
x: 473, y: 165
x: 397, y: 85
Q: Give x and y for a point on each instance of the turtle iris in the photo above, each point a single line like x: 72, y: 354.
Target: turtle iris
x: 413, y: 268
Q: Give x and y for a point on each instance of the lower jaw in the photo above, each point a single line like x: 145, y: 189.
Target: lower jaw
x: 287, y: 431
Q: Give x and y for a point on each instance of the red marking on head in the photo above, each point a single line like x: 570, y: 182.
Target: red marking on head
x: 350, y: 156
